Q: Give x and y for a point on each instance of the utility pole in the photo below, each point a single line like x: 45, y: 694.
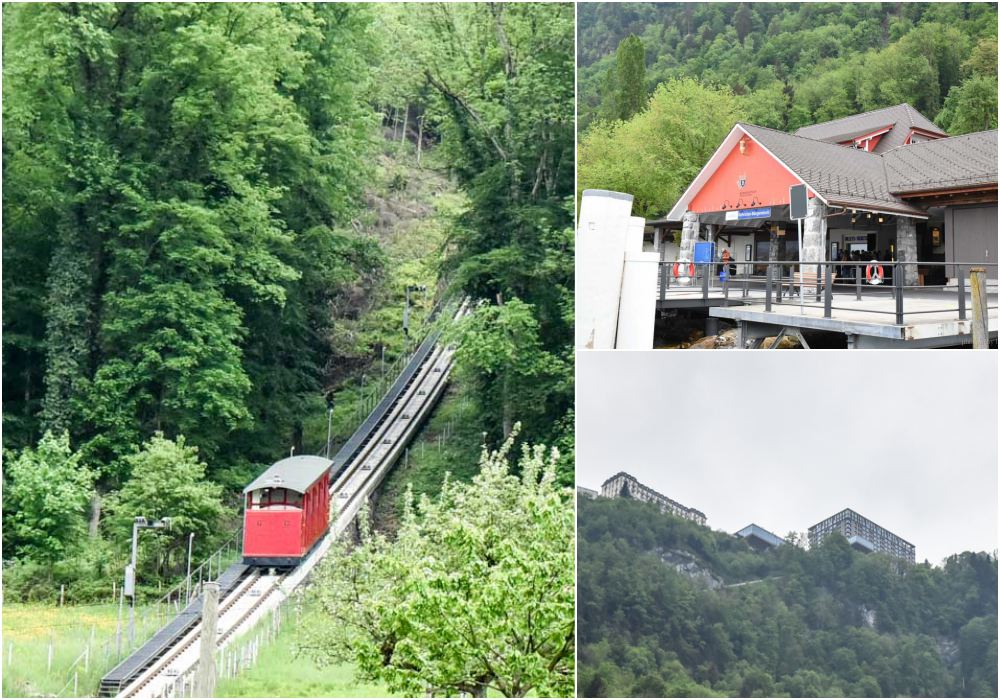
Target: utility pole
x: 977, y: 279
x: 204, y: 678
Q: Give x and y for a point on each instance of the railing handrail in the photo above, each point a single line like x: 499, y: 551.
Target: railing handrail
x: 821, y: 284
x: 823, y: 262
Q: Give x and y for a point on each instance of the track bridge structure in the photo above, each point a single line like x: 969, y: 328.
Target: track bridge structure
x: 165, y: 665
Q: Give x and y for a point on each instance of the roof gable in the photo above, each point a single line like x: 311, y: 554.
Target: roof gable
x: 901, y: 118
x: 748, y: 176
x: 721, y: 153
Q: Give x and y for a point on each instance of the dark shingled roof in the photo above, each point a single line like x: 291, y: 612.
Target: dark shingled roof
x: 843, y: 176
x: 958, y: 161
x: 295, y: 473
x: 901, y: 117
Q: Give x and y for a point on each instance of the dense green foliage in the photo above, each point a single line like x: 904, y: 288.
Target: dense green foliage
x: 180, y: 181
x: 500, y: 77
x: 825, y: 622
x: 211, y: 214
x: 168, y: 480
x: 476, y: 592
x: 658, y: 152
x: 625, y: 92
x: 709, y: 66
x: 180, y: 185
x: 800, y: 63
x: 46, y: 494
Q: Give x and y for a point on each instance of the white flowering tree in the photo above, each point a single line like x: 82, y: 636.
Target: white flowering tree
x: 475, y: 593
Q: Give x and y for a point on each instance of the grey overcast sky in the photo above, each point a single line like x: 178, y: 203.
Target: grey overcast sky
x: 906, y: 438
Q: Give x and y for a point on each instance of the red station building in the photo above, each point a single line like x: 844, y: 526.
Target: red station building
x: 886, y: 184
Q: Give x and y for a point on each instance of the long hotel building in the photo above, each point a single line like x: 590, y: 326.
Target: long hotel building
x: 625, y: 485
x: 862, y: 534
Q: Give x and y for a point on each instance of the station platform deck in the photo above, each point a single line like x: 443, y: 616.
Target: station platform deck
x: 930, y: 314
x: 930, y: 318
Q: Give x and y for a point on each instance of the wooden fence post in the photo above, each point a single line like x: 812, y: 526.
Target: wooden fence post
x: 980, y: 334
x: 204, y: 682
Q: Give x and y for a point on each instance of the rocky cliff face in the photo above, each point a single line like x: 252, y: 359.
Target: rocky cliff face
x: 684, y: 563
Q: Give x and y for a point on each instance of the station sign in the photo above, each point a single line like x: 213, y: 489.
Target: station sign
x: 798, y: 202
x: 745, y: 214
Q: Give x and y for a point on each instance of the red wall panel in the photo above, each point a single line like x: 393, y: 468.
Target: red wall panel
x: 765, y: 182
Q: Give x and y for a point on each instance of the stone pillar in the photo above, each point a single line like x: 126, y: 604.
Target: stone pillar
x: 906, y: 247
x: 813, y: 237
x: 710, y: 236
x: 689, y: 235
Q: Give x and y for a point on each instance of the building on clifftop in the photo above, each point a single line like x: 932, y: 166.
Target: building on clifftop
x: 862, y: 534
x: 623, y: 485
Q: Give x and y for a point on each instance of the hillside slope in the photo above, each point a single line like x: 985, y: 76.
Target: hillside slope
x: 801, y: 63
x: 659, y: 615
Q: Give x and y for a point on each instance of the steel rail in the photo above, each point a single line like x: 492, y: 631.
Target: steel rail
x: 370, y: 453
x: 162, y: 663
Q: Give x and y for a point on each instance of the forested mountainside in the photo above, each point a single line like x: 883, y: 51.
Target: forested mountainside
x: 668, y: 608
x: 794, y: 64
x: 205, y: 232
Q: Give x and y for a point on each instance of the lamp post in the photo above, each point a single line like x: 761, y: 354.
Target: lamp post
x: 187, y: 596
x: 406, y: 309
x: 139, y: 523
x: 362, y: 396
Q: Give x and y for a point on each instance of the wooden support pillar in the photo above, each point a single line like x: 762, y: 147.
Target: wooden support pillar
x: 980, y: 318
x: 204, y: 681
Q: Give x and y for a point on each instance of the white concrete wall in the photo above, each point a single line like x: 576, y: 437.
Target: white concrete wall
x: 637, y: 309
x: 601, y: 239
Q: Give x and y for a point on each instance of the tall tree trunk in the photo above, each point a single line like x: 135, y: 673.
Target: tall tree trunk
x: 420, y: 137
x: 406, y: 120
x: 68, y: 330
x: 95, y: 515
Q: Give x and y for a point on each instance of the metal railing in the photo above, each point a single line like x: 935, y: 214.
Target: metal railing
x: 819, y: 281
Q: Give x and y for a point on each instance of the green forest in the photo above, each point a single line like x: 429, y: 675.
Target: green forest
x: 660, y: 84
x: 669, y: 608
x: 211, y: 216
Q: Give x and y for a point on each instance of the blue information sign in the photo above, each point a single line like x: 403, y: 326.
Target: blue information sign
x: 704, y: 252
x: 744, y: 214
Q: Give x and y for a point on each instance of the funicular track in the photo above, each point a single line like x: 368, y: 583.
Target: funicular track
x: 164, y: 666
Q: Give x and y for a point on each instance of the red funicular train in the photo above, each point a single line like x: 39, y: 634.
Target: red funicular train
x: 287, y: 511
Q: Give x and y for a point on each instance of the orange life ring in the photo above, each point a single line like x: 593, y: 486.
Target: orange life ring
x: 879, y: 273
x: 677, y: 270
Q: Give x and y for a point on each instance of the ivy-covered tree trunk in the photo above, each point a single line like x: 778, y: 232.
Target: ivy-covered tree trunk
x: 68, y: 333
